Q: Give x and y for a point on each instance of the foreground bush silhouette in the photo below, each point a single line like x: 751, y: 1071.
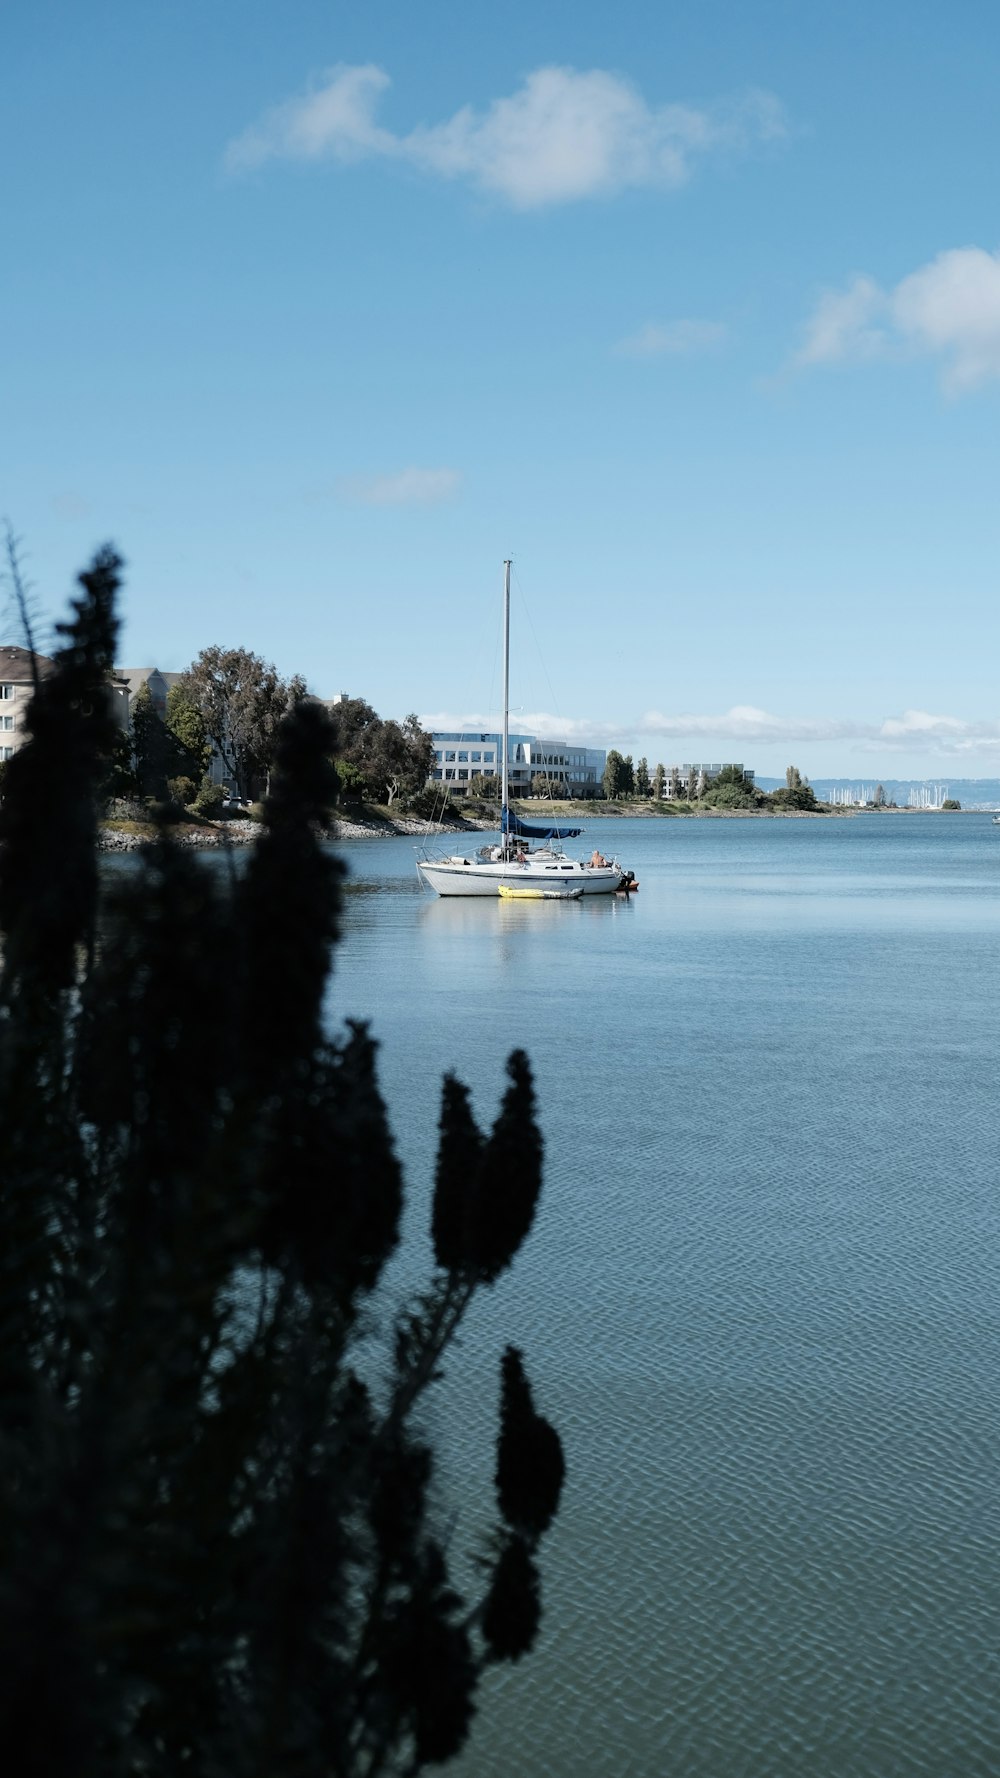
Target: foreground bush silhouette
x: 218, y: 1547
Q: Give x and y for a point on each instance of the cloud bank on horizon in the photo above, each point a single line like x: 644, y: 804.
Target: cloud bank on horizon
x: 948, y: 309
x: 563, y: 135
x: 947, y: 736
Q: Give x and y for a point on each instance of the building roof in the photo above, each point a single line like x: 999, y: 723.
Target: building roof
x: 137, y: 676
x: 16, y: 668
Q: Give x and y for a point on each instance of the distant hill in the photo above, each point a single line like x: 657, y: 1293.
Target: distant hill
x: 972, y: 793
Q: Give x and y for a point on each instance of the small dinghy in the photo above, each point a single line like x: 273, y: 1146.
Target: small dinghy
x: 511, y: 892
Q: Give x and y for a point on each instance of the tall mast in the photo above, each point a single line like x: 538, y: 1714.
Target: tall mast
x: 506, y: 695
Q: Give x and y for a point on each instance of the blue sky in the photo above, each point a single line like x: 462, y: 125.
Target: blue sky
x: 319, y: 311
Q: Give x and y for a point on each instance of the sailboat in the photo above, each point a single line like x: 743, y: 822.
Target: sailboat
x: 509, y: 864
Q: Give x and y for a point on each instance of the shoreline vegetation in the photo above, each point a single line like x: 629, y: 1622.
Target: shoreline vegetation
x: 373, y: 821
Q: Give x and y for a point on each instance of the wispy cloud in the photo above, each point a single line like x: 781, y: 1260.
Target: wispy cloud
x: 673, y: 339
x: 948, y: 309
x: 530, y: 722
x: 744, y: 724
x: 407, y: 487
x: 565, y: 134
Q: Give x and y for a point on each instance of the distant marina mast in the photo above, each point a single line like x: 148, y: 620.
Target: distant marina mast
x: 862, y: 796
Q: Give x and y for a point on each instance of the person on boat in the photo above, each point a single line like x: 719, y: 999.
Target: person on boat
x: 597, y: 859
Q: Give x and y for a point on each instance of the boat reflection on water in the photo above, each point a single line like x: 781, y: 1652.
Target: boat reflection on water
x: 475, y: 916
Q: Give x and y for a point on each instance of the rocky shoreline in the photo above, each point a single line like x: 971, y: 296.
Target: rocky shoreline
x: 213, y: 835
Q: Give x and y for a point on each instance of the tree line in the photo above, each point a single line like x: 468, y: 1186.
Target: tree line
x: 728, y: 789
x: 232, y: 703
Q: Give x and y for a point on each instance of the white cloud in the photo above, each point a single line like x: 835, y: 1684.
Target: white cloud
x: 952, y: 307
x: 333, y: 119
x: 842, y: 325
x: 408, y: 487
x: 948, y: 309
x: 563, y: 135
x: 744, y: 724
x: 528, y: 722
x: 680, y: 339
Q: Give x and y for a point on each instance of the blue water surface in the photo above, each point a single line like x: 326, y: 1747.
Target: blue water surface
x: 762, y: 1297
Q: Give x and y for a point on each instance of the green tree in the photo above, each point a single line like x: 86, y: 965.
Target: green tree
x: 221, y: 1537
x: 149, y: 746
x: 351, y: 783
x: 351, y: 718
x: 393, y: 759
x: 242, y: 701
x: 398, y: 761
x: 951, y: 803
x: 797, y: 793
x: 676, y: 787
x: 731, y: 790
x: 613, y: 777
x: 642, y: 784
x: 659, y: 782
x: 628, y: 776
x: 119, y: 767
x: 554, y: 789
x: 484, y: 784
x: 190, y: 747
x: 420, y: 747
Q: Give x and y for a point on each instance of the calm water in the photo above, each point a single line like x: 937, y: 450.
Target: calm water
x: 762, y: 1300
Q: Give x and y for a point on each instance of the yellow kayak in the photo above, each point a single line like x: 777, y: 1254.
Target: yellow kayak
x: 511, y: 892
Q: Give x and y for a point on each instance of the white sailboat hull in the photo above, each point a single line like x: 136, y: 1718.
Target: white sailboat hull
x: 470, y: 876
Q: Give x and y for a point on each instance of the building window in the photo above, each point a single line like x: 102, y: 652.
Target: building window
x: 437, y: 775
x: 6, y: 752
x: 463, y: 771
x: 449, y: 757
x: 6, y: 722
x: 475, y: 758
x: 463, y: 758
x: 6, y: 691
x: 449, y: 774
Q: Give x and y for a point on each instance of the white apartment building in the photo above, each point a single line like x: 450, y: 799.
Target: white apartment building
x: 17, y: 688
x: 690, y: 776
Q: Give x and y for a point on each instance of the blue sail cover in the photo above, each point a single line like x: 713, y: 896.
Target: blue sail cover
x: 511, y: 823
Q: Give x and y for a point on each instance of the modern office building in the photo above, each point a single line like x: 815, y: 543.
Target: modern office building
x: 461, y: 755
